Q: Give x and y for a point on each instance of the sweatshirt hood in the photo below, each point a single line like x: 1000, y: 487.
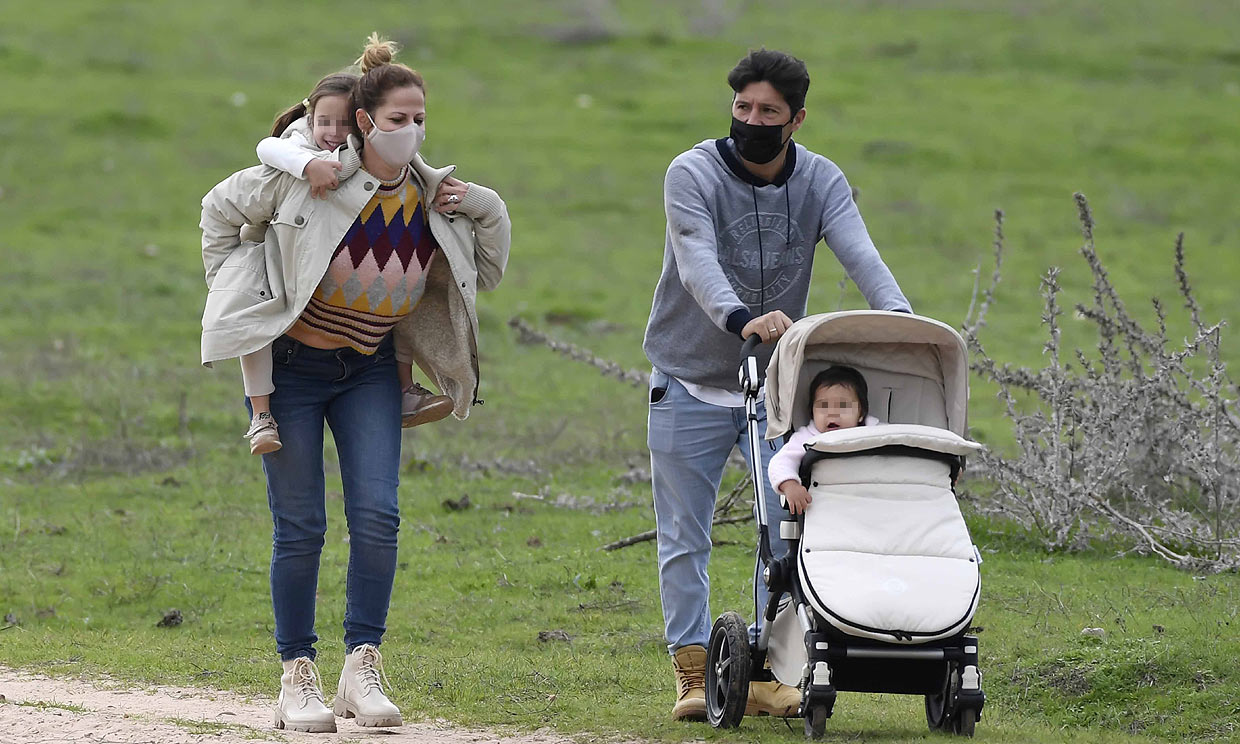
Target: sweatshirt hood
x: 723, y: 152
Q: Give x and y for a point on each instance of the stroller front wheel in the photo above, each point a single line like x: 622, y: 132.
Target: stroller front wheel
x: 944, y: 711
x: 816, y: 721
x: 965, y: 722
x: 727, y: 671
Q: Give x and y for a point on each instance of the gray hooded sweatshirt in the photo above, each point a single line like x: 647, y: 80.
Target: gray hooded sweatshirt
x: 738, y: 247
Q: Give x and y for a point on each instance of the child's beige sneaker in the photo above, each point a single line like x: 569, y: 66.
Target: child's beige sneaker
x: 420, y: 406
x: 263, y: 435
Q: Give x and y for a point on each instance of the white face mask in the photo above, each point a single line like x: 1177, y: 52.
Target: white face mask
x: 397, y: 147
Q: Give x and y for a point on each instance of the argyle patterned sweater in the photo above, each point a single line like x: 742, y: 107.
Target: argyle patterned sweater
x: 378, y: 272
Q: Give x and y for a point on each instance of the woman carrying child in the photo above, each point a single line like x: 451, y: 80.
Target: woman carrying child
x: 385, y: 269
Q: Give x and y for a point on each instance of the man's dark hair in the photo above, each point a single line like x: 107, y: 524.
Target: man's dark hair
x: 847, y: 377
x: 785, y: 73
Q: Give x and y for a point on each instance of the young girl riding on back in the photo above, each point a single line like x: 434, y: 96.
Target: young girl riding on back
x: 305, y: 142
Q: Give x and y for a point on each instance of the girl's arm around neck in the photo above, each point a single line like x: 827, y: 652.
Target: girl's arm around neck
x: 289, y: 153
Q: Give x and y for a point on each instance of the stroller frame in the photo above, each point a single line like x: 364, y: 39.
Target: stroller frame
x: 944, y: 671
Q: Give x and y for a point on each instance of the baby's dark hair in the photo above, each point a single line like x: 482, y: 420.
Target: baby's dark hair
x: 847, y: 377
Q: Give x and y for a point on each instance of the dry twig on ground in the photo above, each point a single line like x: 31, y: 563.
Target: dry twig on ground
x: 526, y: 334
x: 724, y: 509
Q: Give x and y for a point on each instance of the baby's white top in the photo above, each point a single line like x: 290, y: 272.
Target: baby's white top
x: 786, y: 463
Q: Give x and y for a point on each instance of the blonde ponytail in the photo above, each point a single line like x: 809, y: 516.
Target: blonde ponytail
x: 378, y: 52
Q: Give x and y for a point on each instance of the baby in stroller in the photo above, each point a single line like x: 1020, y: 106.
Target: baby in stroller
x: 839, y: 400
x: 878, y: 590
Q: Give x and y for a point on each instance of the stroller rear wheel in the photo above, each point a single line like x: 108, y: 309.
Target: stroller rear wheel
x: 727, y: 671
x: 939, y: 705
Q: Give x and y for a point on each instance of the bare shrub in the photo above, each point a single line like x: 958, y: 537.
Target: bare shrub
x: 1134, y: 441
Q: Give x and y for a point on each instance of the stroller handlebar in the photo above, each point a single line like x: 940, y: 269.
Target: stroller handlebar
x: 751, y: 374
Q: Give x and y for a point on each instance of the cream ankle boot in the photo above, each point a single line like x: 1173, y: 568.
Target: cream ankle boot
x: 300, y: 706
x: 360, y: 692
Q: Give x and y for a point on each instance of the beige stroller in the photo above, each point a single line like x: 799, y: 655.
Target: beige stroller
x: 881, y: 581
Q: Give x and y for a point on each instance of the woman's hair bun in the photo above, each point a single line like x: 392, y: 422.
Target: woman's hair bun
x: 378, y: 52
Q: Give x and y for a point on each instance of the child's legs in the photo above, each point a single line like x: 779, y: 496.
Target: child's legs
x: 256, y: 378
x: 404, y: 373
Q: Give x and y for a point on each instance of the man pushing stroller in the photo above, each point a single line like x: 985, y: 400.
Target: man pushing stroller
x: 744, y: 214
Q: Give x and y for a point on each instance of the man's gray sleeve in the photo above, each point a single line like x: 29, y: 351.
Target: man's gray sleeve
x: 691, y: 233
x: 848, y: 239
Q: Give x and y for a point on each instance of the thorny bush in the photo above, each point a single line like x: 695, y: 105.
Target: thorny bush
x: 1133, y: 442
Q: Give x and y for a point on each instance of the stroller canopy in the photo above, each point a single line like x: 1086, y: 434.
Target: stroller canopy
x: 916, y: 368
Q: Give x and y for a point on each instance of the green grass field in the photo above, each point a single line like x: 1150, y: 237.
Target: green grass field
x: 125, y: 488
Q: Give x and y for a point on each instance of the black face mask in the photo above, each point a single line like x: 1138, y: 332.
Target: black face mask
x: 758, y: 143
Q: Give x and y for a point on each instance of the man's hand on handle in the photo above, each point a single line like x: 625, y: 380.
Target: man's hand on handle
x: 769, y: 327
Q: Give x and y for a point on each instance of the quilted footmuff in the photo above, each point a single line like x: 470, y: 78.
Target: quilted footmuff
x: 885, y: 553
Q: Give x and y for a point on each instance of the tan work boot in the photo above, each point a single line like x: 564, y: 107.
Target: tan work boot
x: 300, y: 706
x: 360, y: 692
x: 690, y: 663
x: 772, y: 699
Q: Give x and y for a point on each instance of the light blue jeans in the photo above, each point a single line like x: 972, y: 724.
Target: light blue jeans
x: 689, y: 445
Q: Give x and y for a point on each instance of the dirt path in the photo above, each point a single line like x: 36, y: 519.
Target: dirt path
x: 39, y: 710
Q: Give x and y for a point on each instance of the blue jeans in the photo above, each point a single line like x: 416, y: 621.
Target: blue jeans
x: 359, y: 398
x: 689, y: 445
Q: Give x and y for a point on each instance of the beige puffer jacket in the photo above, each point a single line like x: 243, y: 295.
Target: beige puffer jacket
x: 257, y: 290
